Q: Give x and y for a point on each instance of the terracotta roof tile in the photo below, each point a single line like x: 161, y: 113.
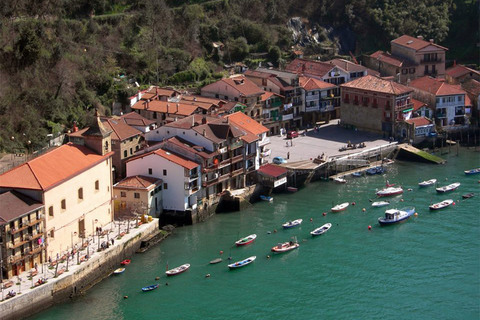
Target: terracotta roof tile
x: 272, y: 170
x: 121, y: 130
x: 51, y: 168
x: 460, y: 70
x: 414, y: 43
x: 375, y: 84
x: 418, y: 104
x: 309, y: 67
x: 138, y: 182
x: 314, y: 84
x: 436, y: 87
x: 387, y: 58
x: 135, y: 119
x: 173, y: 108
x: 420, y: 121
x: 181, y: 161
x: 245, y: 122
x: 241, y: 84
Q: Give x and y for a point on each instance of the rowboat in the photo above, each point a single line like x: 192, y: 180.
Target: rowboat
x: 125, y: 262
x: 448, y: 188
x: 472, y: 171
x: 380, y: 204
x: 427, y: 183
x: 291, y: 224
x: 292, y: 189
x: 441, y: 205
x: 242, y: 263
x: 375, y: 170
x: 321, y: 230
x: 119, y: 270
x: 177, y: 270
x: 150, y: 288
x: 214, y: 261
x: 393, y: 216
x: 340, y: 180
x: 286, y: 246
x: 247, y: 240
x: 340, y: 207
x: 266, y: 198
x: 390, y: 191
x: 357, y: 174
x: 468, y: 195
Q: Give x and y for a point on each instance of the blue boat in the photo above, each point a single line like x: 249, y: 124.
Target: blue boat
x: 150, y: 288
x: 375, y: 170
x: 472, y: 171
x: 266, y: 198
x: 393, y: 216
x: 357, y: 174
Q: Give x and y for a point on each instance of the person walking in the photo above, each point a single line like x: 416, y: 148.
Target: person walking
x: 288, y: 155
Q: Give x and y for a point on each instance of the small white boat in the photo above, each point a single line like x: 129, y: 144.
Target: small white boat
x: 472, y: 171
x: 380, y: 204
x: 340, y: 207
x: 390, y: 191
x: 291, y: 224
x: 266, y: 198
x: 427, y: 183
x: 441, y: 205
x: 340, y: 180
x: 448, y: 188
x: 119, y: 270
x: 177, y: 270
x: 286, y: 246
x: 321, y: 230
x: 393, y: 216
x: 247, y: 240
x: 242, y: 263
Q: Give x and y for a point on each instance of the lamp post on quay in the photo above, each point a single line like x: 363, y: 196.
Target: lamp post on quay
x: 73, y: 233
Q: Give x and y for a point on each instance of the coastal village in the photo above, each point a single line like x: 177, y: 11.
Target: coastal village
x: 173, y: 157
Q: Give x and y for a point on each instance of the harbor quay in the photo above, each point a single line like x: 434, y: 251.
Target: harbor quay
x: 74, y: 275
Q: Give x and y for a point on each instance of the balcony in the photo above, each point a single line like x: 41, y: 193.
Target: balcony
x: 263, y: 142
x: 210, y: 182
x: 236, y: 172
x: 312, y: 108
x: 224, y: 177
x: 17, y: 230
x: 36, y: 221
x: 287, y: 117
x: 429, y: 61
x: 404, y: 107
x: 17, y: 244
x: 236, y: 145
x: 275, y: 104
x: 237, y: 158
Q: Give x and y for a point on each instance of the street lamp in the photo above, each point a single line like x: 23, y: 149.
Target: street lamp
x: 74, y: 233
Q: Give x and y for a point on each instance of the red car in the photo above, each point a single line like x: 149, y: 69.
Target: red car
x: 292, y: 134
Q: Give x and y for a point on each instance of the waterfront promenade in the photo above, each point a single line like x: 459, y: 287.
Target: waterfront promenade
x: 328, y: 140
x: 75, y: 267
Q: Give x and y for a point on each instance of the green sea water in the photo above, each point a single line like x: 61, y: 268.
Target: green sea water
x: 425, y: 268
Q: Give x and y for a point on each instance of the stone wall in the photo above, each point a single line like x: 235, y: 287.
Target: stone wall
x: 77, y: 280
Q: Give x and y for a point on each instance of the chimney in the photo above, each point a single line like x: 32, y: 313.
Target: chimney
x: 203, y: 132
x: 431, y: 40
x: 420, y: 37
x: 176, y: 105
x: 139, y: 95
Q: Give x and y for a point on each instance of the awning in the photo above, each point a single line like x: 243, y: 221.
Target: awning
x: 407, y: 110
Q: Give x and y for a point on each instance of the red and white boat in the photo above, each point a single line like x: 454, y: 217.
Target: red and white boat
x: 441, y: 205
x: 286, y: 246
x: 178, y: 270
x: 340, y: 207
x: 448, y: 188
x: 125, y: 262
x: 247, y: 240
x: 390, y: 191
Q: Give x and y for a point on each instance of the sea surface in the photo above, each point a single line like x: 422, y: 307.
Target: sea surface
x: 425, y: 268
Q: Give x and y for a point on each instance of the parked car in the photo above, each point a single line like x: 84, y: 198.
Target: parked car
x: 292, y: 134
x: 279, y: 160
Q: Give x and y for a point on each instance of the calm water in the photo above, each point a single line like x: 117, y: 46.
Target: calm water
x: 425, y: 268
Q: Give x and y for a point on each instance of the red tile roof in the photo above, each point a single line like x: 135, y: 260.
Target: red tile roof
x: 172, y: 108
x: 121, y: 130
x: 181, y: 161
x: 460, y: 70
x: 309, y: 67
x: 375, y: 84
x: 244, y: 86
x: 272, y: 170
x: 314, y: 84
x: 420, y: 121
x: 245, y: 122
x: 52, y: 168
x: 138, y: 182
x: 387, y: 58
x: 436, y: 87
x: 414, y: 43
x: 14, y: 205
x: 418, y: 104
x: 135, y: 119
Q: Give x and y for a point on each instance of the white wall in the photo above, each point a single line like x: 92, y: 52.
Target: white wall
x: 163, y: 133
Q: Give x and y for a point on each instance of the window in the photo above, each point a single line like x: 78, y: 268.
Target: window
x: 50, y: 211
x: 64, y: 204
x: 80, y: 193
x: 164, y: 172
x: 136, y: 195
x: 150, y: 170
x: 154, y: 115
x: 123, y: 194
x: 460, y: 98
x: 412, y: 70
x: 125, y: 153
x: 165, y: 186
x: 97, y: 185
x: 131, y: 151
x: 52, y: 233
x: 404, y: 71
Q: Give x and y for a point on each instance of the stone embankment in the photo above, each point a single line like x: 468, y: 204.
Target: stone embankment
x: 77, y: 279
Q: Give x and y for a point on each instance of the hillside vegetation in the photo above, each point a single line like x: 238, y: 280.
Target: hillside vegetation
x: 60, y: 59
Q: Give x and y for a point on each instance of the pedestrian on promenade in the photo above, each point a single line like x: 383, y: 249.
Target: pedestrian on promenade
x: 113, y: 241
x: 288, y: 155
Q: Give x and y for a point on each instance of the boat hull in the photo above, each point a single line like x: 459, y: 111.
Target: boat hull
x: 242, y: 263
x: 449, y: 188
x: 247, y: 240
x: 150, y: 288
x: 285, y: 247
x: 321, y: 230
x: 178, y: 270
x: 441, y: 205
x: 399, y: 216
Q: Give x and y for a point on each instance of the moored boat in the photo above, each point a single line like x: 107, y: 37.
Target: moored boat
x: 378, y: 204
x: 450, y: 187
x: 286, y: 246
x: 150, y: 288
x: 125, y: 262
x: 340, y: 207
x: 340, y: 180
x: 390, y: 191
x: 215, y: 261
x: 321, y: 230
x: 119, y: 270
x: 468, y: 195
x: 441, y: 205
x: 427, y: 183
x: 178, y: 270
x: 266, y: 198
x: 357, y: 174
x: 242, y: 263
x: 375, y: 170
x: 292, y: 189
x: 291, y: 224
x: 247, y: 240
x: 472, y: 171
x: 393, y: 216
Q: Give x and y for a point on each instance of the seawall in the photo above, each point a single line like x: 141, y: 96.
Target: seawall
x: 78, y: 279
